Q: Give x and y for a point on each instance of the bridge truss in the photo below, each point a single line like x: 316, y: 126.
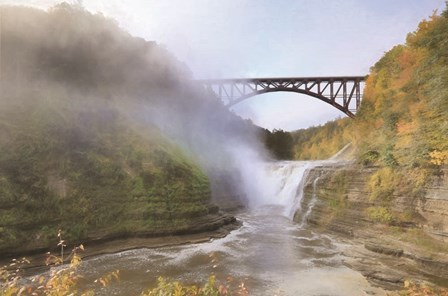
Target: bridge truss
x: 343, y: 93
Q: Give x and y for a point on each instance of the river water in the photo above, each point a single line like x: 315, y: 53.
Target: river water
x: 270, y: 254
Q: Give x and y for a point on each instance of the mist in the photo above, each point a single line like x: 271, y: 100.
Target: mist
x: 83, y: 66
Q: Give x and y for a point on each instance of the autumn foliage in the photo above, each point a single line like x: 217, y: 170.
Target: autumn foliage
x: 403, y: 118
x: 404, y: 111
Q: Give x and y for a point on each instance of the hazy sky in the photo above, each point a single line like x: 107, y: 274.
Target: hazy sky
x: 259, y: 38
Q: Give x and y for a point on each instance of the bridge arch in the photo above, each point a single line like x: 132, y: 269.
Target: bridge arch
x: 343, y: 93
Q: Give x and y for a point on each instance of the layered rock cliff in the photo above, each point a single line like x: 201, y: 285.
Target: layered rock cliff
x: 391, y: 240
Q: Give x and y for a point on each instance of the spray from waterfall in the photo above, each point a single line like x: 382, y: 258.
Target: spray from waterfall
x: 284, y: 185
x: 86, y: 65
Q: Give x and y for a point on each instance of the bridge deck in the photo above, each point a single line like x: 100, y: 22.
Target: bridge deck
x: 310, y: 78
x: 337, y: 91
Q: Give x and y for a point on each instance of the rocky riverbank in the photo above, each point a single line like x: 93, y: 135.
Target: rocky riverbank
x: 389, y: 242
x: 203, y: 229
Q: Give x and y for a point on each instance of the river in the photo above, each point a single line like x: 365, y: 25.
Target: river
x: 270, y: 254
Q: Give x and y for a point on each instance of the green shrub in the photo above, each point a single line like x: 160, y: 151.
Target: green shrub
x: 379, y: 214
x: 369, y: 158
x: 381, y: 185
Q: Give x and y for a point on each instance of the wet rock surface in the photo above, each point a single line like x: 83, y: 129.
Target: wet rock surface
x: 375, y: 249
x: 383, y: 250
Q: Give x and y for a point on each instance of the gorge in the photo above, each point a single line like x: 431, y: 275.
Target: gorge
x: 105, y: 141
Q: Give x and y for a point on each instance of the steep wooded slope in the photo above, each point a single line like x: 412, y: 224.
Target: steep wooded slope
x: 100, y: 132
x: 403, y: 119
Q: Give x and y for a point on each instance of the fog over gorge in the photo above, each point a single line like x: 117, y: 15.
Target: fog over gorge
x: 122, y: 172
x: 84, y: 68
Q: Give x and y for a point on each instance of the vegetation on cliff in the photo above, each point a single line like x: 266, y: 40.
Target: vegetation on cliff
x: 403, y: 116
x: 402, y: 120
x: 100, y: 132
x: 321, y: 142
x: 278, y: 142
x: 395, y: 192
x: 88, y: 171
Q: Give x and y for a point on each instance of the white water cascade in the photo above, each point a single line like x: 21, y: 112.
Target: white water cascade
x: 311, y: 203
x: 284, y: 183
x: 280, y: 183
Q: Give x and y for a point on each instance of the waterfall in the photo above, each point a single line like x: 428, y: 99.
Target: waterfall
x: 286, y: 181
x: 311, y: 203
x: 282, y: 184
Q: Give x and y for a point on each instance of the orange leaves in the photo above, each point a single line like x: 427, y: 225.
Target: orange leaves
x: 379, y: 123
x: 413, y: 289
x: 369, y: 89
x: 109, y: 278
x: 406, y: 127
x: 407, y: 61
x: 439, y: 157
x: 424, y: 27
x: 407, y: 58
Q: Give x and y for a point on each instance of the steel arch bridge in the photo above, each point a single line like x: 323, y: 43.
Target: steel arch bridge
x: 343, y: 93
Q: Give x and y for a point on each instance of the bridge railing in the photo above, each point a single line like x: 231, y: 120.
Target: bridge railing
x: 343, y: 93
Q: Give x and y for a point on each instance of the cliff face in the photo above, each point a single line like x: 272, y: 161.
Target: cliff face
x: 88, y: 118
x: 397, y: 202
x: 340, y: 199
x: 404, y: 236
x: 343, y: 202
x: 434, y: 206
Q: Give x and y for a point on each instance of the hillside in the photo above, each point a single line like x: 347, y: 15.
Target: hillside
x: 392, y: 203
x: 101, y: 134
x: 393, y: 199
x: 402, y: 120
x: 321, y: 142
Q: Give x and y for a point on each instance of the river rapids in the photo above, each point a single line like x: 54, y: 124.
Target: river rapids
x: 269, y: 254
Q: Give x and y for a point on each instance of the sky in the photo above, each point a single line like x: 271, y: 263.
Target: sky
x: 269, y: 38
